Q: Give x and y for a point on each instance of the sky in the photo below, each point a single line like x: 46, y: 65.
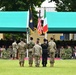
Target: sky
x: 46, y: 4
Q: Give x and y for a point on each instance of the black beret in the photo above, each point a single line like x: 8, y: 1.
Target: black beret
x: 45, y: 40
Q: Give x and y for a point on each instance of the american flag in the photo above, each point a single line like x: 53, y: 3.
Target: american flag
x: 39, y: 25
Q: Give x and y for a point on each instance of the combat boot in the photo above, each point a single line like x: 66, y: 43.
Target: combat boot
x: 20, y: 64
x: 30, y: 65
x: 44, y: 65
x: 51, y: 65
x: 23, y: 64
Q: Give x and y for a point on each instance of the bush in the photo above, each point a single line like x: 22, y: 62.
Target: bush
x: 67, y: 54
x: 5, y: 55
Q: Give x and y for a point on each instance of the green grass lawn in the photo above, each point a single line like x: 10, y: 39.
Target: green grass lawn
x: 62, y: 67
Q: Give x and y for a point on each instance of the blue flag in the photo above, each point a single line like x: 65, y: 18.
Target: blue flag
x: 31, y: 23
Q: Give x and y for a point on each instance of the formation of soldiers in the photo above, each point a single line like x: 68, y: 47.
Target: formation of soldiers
x: 35, y: 50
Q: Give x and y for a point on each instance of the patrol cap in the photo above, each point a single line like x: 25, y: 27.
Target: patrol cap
x: 51, y: 38
x: 31, y: 38
x: 38, y: 39
x: 37, y: 42
x: 21, y: 39
x: 44, y: 40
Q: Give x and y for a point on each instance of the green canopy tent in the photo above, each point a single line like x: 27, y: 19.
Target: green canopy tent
x: 57, y: 21
x: 13, y: 21
x: 61, y: 21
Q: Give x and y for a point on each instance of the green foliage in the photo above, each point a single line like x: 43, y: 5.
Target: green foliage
x: 65, y: 5
x: 14, y: 36
x: 5, y: 54
x: 19, y: 5
x: 66, y: 54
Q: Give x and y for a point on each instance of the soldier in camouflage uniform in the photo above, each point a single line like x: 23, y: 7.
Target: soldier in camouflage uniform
x: 62, y: 52
x: 74, y: 52
x: 30, y: 49
x: 38, y: 41
x: 15, y: 47
x: 37, y: 52
x: 52, y: 48
x: 21, y: 49
x: 9, y: 51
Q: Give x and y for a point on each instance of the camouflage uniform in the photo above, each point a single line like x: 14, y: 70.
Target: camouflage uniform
x: 52, y: 48
x: 9, y: 51
x: 62, y: 52
x: 3, y: 52
x: 30, y: 49
x: 37, y: 52
x: 14, y: 46
x: 21, y: 49
x: 74, y: 52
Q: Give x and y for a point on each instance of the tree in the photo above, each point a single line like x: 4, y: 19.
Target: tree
x: 19, y: 5
x: 65, y: 5
x: 14, y: 36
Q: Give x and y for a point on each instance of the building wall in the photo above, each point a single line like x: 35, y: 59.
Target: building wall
x: 74, y: 36
x: 35, y: 35
x: 1, y: 36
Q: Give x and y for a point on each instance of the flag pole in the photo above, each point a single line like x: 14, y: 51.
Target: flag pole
x: 27, y: 30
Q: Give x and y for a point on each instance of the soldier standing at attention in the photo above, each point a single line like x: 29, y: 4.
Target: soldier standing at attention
x: 22, y: 48
x: 62, y: 52
x: 37, y: 52
x: 15, y: 47
x: 44, y: 52
x: 30, y: 50
x: 38, y: 41
x: 52, y: 48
